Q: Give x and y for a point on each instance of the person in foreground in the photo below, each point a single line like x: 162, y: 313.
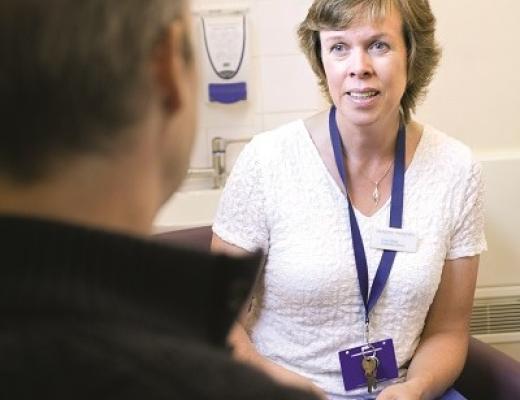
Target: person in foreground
x: 372, y: 222
x: 98, y: 115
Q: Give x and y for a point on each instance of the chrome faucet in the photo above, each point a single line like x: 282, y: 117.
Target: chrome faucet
x: 218, y: 161
x: 218, y: 157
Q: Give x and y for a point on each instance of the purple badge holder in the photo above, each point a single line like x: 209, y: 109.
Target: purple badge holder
x: 352, y: 371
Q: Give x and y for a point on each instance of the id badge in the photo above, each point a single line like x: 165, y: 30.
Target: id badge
x: 394, y: 239
x: 352, y: 368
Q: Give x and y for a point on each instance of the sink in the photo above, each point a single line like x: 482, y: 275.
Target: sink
x: 188, y: 209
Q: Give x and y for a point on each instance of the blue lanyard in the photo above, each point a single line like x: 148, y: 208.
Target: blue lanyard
x: 396, y: 217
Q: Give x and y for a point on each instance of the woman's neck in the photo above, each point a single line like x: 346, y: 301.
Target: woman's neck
x: 369, y: 143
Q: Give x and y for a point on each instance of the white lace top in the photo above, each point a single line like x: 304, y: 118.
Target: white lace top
x: 280, y: 197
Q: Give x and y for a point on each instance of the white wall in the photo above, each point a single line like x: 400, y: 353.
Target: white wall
x: 476, y: 93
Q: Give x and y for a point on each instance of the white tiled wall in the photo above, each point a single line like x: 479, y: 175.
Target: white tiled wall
x: 281, y: 87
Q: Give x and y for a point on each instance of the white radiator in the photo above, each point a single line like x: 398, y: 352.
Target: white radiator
x: 496, y: 318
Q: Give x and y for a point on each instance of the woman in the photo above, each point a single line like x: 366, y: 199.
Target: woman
x: 372, y: 223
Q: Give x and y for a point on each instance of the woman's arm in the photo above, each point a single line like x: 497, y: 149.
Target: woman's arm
x: 442, y: 350
x: 243, y: 349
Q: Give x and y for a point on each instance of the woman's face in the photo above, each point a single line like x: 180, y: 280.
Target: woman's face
x: 366, y: 69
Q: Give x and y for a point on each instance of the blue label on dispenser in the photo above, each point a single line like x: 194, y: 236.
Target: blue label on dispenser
x: 227, y: 93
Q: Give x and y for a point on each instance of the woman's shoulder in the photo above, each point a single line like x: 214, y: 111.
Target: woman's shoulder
x: 286, y: 133
x: 271, y: 149
x: 280, y: 142
x: 443, y: 149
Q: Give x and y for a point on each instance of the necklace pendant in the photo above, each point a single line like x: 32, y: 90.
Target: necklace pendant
x: 375, y: 195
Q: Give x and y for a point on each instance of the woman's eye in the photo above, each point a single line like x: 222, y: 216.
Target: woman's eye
x: 338, y: 48
x: 380, y: 46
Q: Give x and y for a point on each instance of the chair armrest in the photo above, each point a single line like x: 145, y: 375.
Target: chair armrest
x: 197, y: 238
x: 489, y: 374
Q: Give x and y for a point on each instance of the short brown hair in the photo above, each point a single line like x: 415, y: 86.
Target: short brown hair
x: 418, y: 29
x: 73, y: 75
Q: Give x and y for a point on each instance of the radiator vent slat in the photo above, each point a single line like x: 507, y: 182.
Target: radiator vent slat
x: 495, y: 315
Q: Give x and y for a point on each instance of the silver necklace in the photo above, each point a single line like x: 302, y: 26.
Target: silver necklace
x: 376, y: 195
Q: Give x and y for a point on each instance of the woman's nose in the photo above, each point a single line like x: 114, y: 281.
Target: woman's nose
x: 360, y: 65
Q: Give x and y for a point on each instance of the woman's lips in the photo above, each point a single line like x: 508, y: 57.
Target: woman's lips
x: 364, y: 96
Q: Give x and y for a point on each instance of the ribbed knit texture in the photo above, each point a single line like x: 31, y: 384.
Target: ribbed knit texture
x: 87, y: 314
x: 59, y: 268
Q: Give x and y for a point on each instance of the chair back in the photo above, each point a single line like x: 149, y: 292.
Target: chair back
x: 197, y: 238
x: 489, y: 374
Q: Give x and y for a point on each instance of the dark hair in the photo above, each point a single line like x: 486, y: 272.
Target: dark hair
x: 73, y: 75
x: 418, y: 30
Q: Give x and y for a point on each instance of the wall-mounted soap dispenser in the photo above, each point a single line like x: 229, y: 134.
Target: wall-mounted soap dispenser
x: 225, y: 56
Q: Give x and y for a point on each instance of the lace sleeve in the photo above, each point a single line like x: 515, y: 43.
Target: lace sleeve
x: 241, y: 218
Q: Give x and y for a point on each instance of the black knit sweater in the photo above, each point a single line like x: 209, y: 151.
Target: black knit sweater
x: 88, y: 314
